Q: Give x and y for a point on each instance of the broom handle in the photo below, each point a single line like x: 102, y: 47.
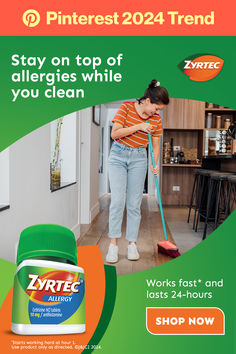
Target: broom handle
x: 157, y: 185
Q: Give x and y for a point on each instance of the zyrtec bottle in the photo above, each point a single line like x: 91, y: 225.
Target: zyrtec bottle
x: 48, y: 295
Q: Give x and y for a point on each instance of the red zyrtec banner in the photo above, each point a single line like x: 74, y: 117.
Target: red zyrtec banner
x: 105, y: 17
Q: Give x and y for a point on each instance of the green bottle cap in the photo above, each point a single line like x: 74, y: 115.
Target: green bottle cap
x: 47, y: 240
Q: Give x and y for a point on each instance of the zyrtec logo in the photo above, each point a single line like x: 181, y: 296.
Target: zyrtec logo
x: 31, y: 18
x: 202, y: 68
x: 68, y: 282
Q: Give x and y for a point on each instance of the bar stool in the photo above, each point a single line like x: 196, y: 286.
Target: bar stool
x: 195, y: 193
x: 231, y: 198
x: 216, y: 191
x: 198, y: 184
x: 201, y: 201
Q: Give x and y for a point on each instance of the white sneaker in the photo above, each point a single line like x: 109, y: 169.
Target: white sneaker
x: 112, y: 254
x: 133, y: 254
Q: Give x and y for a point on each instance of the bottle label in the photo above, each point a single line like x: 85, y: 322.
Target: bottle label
x: 48, y: 296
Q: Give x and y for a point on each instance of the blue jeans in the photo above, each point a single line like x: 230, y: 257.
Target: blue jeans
x: 127, y: 168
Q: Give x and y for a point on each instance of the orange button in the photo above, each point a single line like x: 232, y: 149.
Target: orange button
x: 185, y: 320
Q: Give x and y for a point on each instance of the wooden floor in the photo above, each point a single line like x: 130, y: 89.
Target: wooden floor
x: 149, y: 234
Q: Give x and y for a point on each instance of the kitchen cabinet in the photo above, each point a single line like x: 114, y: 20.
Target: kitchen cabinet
x: 194, y: 114
x: 184, y: 122
x: 173, y: 114
x: 184, y: 114
x: 180, y: 175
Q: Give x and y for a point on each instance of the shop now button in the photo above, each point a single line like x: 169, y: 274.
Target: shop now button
x: 185, y: 320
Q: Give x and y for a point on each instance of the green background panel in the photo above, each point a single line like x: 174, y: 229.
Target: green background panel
x: 145, y: 58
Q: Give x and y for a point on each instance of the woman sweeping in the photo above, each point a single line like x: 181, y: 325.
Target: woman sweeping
x: 127, y: 164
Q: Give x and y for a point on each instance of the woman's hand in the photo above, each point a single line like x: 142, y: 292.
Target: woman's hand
x: 145, y: 127
x: 118, y: 131
x: 155, y: 170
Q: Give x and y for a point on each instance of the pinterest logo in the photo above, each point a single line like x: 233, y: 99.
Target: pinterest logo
x: 31, y: 18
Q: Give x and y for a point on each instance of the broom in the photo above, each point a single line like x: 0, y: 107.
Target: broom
x: 165, y: 247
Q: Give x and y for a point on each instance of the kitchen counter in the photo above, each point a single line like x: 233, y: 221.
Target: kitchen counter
x: 220, y: 162
x: 226, y: 156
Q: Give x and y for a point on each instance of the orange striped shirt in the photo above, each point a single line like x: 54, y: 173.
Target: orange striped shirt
x: 127, y: 116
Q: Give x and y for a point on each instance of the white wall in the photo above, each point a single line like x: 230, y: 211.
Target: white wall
x: 108, y: 112
x: 31, y: 201
x: 94, y: 167
x: 85, y: 148
x: 4, y: 177
x: 89, y: 157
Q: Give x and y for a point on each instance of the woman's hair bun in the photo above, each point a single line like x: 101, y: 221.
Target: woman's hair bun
x: 156, y: 93
x: 153, y: 84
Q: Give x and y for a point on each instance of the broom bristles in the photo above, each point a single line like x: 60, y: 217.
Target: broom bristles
x: 171, y: 253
